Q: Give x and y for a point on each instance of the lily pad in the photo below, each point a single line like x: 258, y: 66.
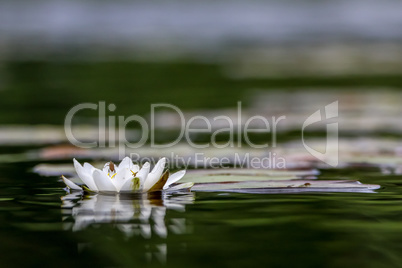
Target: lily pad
x: 254, y: 172
x: 54, y: 169
x: 49, y: 170
x: 286, y: 186
x: 233, y: 178
x: 241, y: 175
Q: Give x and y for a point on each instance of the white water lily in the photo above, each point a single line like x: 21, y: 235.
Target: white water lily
x: 126, y: 177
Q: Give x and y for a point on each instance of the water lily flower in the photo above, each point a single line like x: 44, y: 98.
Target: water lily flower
x: 126, y: 177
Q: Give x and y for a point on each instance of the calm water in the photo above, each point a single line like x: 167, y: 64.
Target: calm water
x: 328, y: 229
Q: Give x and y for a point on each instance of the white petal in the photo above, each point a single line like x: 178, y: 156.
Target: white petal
x: 121, y: 177
x: 84, y: 176
x: 173, y: 178
x: 155, y: 175
x: 71, y: 184
x: 105, y: 168
x: 126, y: 163
x: 135, y: 168
x: 103, y: 182
x: 142, y: 175
x: 144, y: 171
x: 89, y: 168
x: 128, y: 185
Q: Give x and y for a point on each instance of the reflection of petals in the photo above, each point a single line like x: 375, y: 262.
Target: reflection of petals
x: 162, y: 253
x: 146, y: 231
x: 68, y: 200
x: 127, y: 229
x: 83, y: 222
x: 158, y: 212
x: 139, y: 216
x: 145, y: 213
x: 177, y: 207
x: 158, y: 216
x: 160, y: 229
x: 178, y: 226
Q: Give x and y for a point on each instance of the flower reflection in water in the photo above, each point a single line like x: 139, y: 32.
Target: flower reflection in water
x: 134, y: 215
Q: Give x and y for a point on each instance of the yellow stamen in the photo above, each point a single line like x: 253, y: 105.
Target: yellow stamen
x: 113, y: 175
x: 134, y: 173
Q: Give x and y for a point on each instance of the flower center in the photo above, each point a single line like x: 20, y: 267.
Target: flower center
x: 112, y: 169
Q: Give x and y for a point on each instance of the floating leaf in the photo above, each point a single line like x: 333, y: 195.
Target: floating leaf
x: 54, y: 170
x: 291, y: 186
x: 233, y: 178
x: 6, y: 199
x: 232, y: 175
x: 254, y: 172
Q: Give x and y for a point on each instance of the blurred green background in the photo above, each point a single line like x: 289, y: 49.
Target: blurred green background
x: 56, y: 54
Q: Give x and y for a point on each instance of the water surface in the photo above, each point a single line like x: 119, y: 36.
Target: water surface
x: 225, y: 229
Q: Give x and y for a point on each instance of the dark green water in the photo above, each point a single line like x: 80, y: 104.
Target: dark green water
x: 206, y: 229
x: 37, y: 92
x: 223, y: 230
